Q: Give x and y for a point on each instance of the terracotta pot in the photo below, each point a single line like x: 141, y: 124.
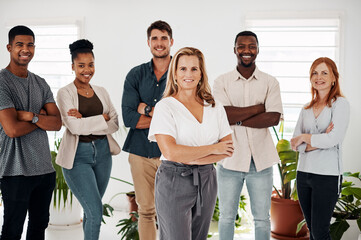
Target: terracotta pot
x: 285, y: 215
x: 133, y: 206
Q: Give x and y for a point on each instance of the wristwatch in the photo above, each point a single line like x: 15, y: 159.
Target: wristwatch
x: 35, y: 118
x: 147, y: 110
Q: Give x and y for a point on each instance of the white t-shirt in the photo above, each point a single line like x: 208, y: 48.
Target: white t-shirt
x: 172, y: 118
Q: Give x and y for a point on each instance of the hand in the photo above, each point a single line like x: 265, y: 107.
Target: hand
x: 141, y: 107
x: 296, y: 141
x: 24, y: 116
x: 329, y: 128
x: 106, y: 117
x: 74, y: 113
x: 224, y: 147
x: 43, y: 112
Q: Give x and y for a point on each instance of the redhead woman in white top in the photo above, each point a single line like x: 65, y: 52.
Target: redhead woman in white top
x: 318, y: 137
x: 192, y: 132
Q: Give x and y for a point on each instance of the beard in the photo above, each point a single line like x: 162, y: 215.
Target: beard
x: 246, y: 65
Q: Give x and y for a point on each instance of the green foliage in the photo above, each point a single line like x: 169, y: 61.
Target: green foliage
x: 287, y: 167
x: 129, y: 228
x: 107, y: 211
x: 61, y: 190
x: 348, y: 207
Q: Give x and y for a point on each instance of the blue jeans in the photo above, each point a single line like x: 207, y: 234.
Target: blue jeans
x: 88, y: 180
x: 259, y: 185
x: 22, y: 194
x: 318, y: 195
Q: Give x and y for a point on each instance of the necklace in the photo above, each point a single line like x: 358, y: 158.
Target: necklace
x: 86, y: 90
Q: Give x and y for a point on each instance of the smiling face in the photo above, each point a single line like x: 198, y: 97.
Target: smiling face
x: 21, y: 50
x: 246, y: 50
x: 188, y: 72
x: 321, y: 78
x: 83, y: 67
x: 160, y: 43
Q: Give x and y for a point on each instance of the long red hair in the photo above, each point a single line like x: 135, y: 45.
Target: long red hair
x: 335, y: 91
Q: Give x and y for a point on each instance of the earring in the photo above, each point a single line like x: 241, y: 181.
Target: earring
x: 333, y: 83
x: 175, y: 82
x: 199, y: 83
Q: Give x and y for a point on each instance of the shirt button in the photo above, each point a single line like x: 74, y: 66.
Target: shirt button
x: 155, y: 100
x: 157, y: 85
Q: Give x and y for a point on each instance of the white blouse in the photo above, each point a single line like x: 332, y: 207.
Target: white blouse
x: 172, y: 118
x: 327, y: 159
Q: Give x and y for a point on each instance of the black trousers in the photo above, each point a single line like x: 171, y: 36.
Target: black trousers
x: 23, y: 194
x: 318, y: 195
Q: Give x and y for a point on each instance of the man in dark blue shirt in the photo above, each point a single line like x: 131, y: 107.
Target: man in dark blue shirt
x: 143, y: 88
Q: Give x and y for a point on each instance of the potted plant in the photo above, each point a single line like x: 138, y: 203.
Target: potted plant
x: 348, y: 208
x: 66, y: 210
x: 285, y: 209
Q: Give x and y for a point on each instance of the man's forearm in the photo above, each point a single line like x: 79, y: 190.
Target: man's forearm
x: 263, y: 120
x: 237, y: 114
x: 143, y: 122
x: 49, y: 123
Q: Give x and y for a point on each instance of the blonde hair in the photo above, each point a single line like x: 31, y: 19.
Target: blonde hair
x: 203, y: 88
x: 335, y: 91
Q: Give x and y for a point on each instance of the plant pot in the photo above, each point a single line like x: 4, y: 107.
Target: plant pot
x: 133, y: 206
x: 285, y: 215
x: 66, y: 215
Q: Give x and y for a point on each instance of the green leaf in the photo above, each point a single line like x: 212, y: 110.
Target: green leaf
x: 289, y: 177
x: 352, y: 191
x: 300, y: 225
x: 338, y: 228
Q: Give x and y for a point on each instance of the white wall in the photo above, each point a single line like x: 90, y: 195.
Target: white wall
x: 118, y: 31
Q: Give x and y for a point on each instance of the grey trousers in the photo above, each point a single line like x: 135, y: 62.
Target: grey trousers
x: 185, y: 196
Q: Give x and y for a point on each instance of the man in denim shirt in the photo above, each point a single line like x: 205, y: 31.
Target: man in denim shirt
x: 143, y: 88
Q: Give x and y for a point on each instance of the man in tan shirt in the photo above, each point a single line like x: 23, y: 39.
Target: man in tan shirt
x: 252, y: 101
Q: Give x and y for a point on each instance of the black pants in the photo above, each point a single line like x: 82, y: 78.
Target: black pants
x: 318, y: 195
x: 26, y: 194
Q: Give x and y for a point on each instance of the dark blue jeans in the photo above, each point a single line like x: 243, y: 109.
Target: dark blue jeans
x: 23, y: 194
x: 318, y: 195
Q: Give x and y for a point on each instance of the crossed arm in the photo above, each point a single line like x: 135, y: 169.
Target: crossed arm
x: 18, y: 123
x: 195, y: 155
x: 252, y: 116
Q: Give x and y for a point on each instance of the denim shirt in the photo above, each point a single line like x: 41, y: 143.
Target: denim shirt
x: 140, y: 85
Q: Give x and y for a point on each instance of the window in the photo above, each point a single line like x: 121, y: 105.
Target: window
x: 52, y: 58
x: 287, y: 49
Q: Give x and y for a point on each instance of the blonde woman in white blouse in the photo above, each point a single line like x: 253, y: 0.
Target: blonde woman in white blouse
x: 192, y: 132
x: 318, y: 137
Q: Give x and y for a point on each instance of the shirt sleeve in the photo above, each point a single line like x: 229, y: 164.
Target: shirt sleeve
x: 48, y: 94
x: 130, y: 101
x: 163, y: 122
x: 299, y: 130
x: 5, y: 97
x: 340, y: 118
x: 219, y: 92
x: 273, y: 102
x: 223, y: 124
